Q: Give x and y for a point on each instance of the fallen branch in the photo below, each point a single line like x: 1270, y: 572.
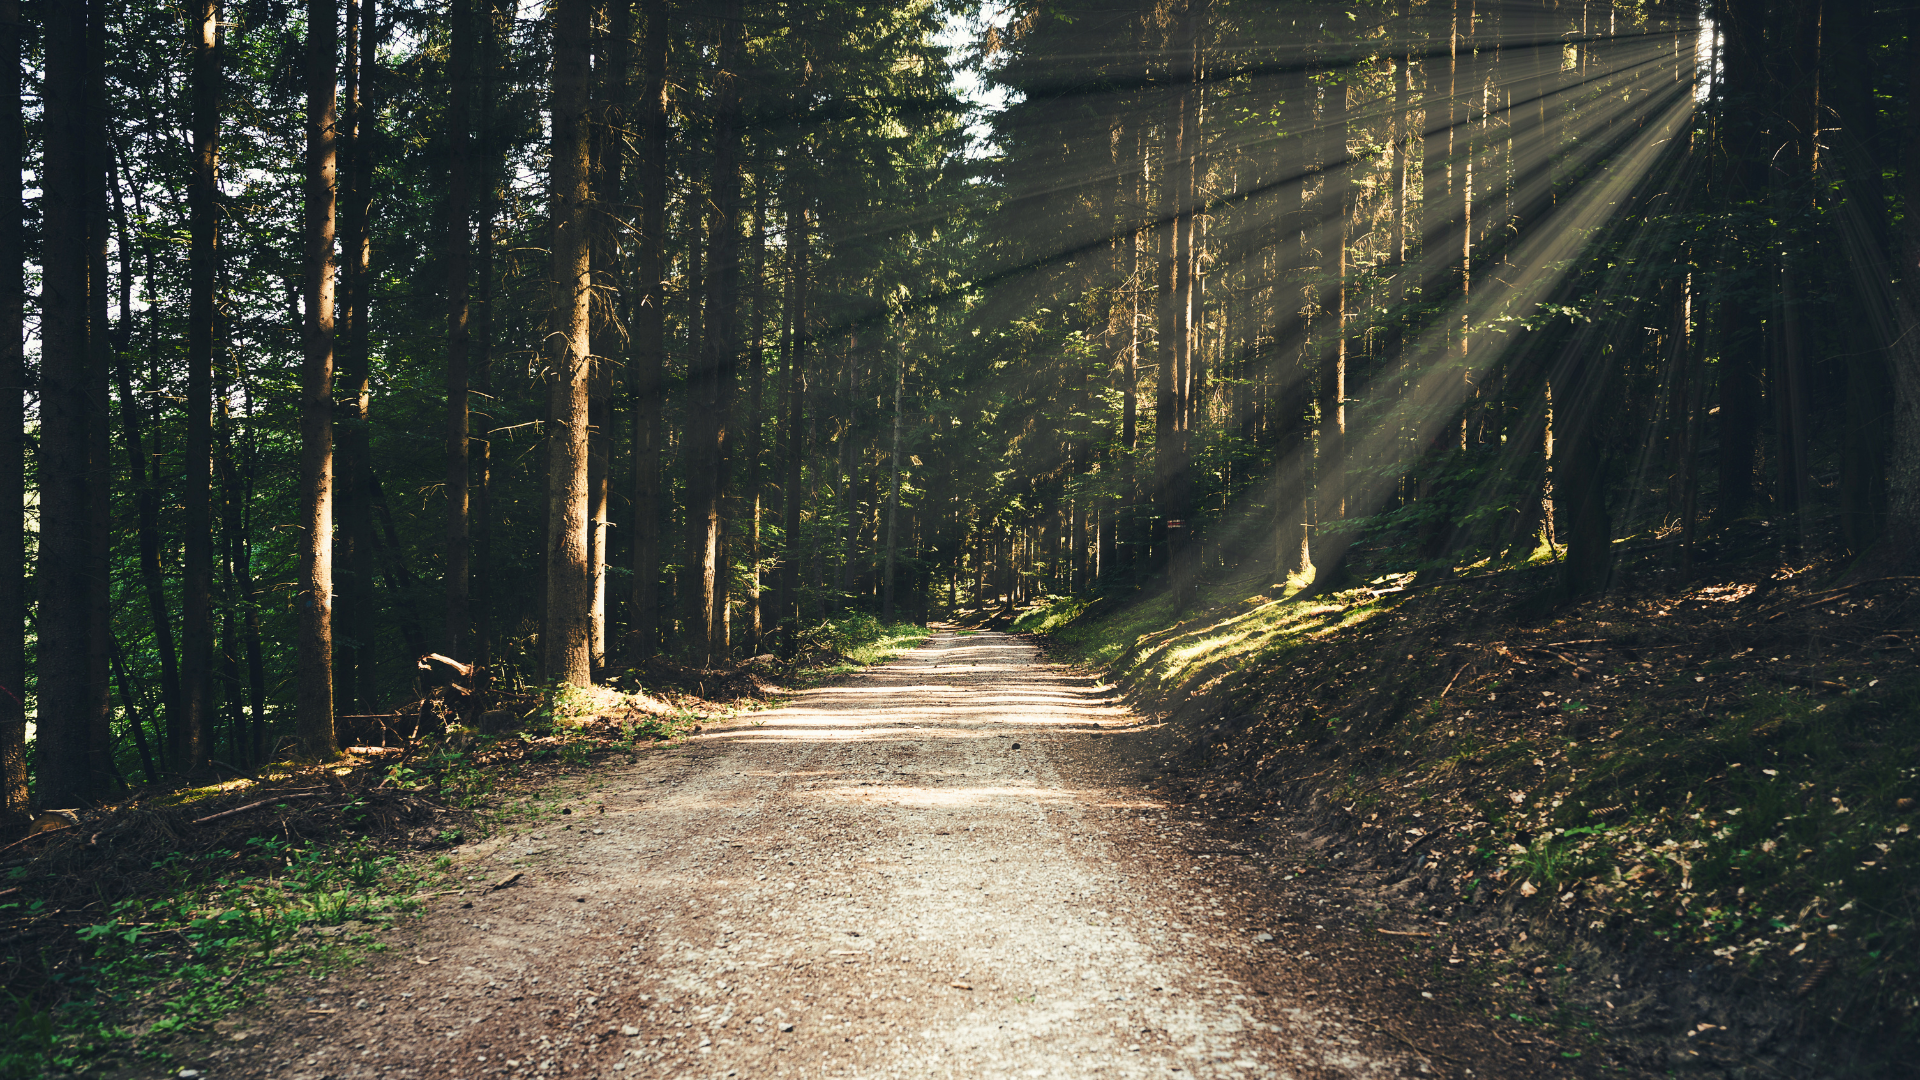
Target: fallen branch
x: 254, y: 806
x: 1405, y: 933
x: 1455, y: 679
x: 26, y: 838
x: 1792, y: 679
x: 1417, y: 1048
x: 1830, y: 595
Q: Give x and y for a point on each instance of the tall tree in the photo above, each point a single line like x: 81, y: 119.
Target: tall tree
x: 314, y: 706
x: 567, y: 643
x: 462, y: 45
x: 356, y: 614
x: 1175, y: 281
x: 710, y: 381
x: 13, y: 418
x: 648, y: 330
x: 196, y: 584
x: 102, y: 770
x: 609, y: 140
x: 63, y: 642
x: 893, y: 488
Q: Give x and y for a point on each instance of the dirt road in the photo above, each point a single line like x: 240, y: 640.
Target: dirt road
x: 947, y: 867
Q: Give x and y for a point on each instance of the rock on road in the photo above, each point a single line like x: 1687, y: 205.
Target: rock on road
x: 948, y: 866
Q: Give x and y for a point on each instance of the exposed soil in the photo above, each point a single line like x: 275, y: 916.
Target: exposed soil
x: 955, y: 864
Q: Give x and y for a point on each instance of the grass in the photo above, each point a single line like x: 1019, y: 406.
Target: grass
x: 839, y: 647
x: 225, y: 923
x: 203, y: 925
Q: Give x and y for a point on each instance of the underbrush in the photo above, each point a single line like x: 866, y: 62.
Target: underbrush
x: 841, y: 646
x: 1721, y: 772
x: 151, y: 920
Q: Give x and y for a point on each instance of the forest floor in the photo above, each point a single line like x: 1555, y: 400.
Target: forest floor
x: 1671, y: 830
x: 959, y: 863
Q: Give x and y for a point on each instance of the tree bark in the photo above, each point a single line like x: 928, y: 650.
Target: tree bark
x: 608, y: 336
x: 240, y: 553
x: 569, y: 576
x: 756, y: 412
x: 710, y: 380
x: 63, y: 642
x: 314, y: 705
x: 356, y: 619
x: 480, y: 356
x: 13, y: 419
x: 1173, y: 316
x: 1329, y: 545
x: 1903, y: 457
x: 196, y: 581
x: 456, y: 632
x: 893, y: 491
x: 105, y: 775
x: 649, y: 339
x: 795, y: 380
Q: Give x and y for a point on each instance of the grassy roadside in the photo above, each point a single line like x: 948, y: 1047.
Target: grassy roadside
x: 1709, y: 780
x: 144, y: 925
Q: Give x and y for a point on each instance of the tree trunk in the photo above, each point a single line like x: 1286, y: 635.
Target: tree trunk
x: 249, y: 599
x: 105, y: 775
x: 196, y: 583
x: 846, y: 472
x: 456, y: 631
x: 795, y: 380
x: 1901, y: 538
x: 65, y: 501
x: 569, y: 576
x: 710, y: 378
x: 480, y: 354
x: 357, y: 617
x: 1173, y: 316
x: 314, y: 706
x: 13, y: 419
x: 1329, y: 545
x: 1740, y: 349
x: 608, y: 336
x: 127, y: 698
x: 893, y: 491
x: 756, y: 412
x: 649, y: 340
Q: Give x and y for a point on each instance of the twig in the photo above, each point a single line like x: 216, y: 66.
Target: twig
x: 1405, y: 933
x: 1832, y: 594
x: 254, y: 806
x: 26, y: 838
x: 1417, y: 1048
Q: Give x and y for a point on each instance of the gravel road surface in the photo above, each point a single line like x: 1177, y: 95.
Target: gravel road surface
x: 949, y: 866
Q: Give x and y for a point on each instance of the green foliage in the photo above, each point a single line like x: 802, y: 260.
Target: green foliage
x: 1052, y: 613
x: 226, y: 923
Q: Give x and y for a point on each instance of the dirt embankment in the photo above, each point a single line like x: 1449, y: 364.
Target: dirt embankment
x: 1673, y: 827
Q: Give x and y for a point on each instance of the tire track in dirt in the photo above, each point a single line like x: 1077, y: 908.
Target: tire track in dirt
x: 946, y: 867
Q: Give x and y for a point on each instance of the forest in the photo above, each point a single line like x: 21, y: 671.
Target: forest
x: 606, y: 342
x: 725, y: 322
